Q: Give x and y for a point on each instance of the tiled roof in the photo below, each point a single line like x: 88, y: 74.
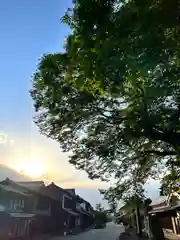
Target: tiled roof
x: 12, y: 189
x: 164, y: 209
x: 159, y: 200
x: 56, y: 192
x: 51, y: 191
x: 71, y: 191
x: 32, y: 185
x: 26, y: 187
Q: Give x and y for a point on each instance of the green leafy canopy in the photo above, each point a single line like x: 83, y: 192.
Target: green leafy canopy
x: 112, y: 97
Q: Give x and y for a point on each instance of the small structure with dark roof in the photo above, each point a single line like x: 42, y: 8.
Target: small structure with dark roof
x: 167, y: 210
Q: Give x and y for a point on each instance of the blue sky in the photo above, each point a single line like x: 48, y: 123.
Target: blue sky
x: 28, y: 30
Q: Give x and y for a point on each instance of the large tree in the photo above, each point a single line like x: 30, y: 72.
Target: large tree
x: 112, y: 97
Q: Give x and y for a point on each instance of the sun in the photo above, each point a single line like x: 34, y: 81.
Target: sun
x: 32, y: 167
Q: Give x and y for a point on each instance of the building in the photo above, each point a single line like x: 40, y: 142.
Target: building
x: 16, y: 217
x: 50, y: 209
x: 64, y: 216
x: 33, y: 200
x: 167, y: 210
x: 134, y: 216
x: 126, y: 214
x: 53, y: 208
x: 85, y: 211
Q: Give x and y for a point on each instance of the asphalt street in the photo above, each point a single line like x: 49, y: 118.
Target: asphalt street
x: 111, y: 232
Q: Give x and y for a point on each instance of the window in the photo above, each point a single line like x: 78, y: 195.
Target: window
x: 78, y: 206
x: 83, y: 206
x: 67, y: 202
x: 89, y: 209
x: 78, y: 222
x: 86, y: 206
x: 17, y: 205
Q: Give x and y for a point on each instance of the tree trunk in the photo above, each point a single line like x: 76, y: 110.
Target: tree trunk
x: 138, y: 222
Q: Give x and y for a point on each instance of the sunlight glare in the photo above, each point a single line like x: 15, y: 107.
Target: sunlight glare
x: 32, y: 167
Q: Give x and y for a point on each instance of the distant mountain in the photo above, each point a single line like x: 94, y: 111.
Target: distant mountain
x: 7, y: 172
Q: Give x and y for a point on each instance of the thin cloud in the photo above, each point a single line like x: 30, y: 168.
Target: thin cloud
x: 82, y: 184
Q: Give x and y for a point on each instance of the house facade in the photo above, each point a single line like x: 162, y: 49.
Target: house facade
x: 49, y: 209
x: 86, y: 214
x: 16, y: 217
x: 34, y: 201
x: 167, y: 210
x: 64, y: 216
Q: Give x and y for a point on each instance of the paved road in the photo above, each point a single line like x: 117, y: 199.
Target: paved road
x: 111, y: 232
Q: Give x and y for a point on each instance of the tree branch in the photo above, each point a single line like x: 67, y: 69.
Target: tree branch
x: 163, y: 153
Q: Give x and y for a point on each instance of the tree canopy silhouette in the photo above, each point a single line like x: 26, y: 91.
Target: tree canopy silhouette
x: 112, y: 97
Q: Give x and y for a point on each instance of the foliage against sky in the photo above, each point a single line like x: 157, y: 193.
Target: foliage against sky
x: 112, y: 98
